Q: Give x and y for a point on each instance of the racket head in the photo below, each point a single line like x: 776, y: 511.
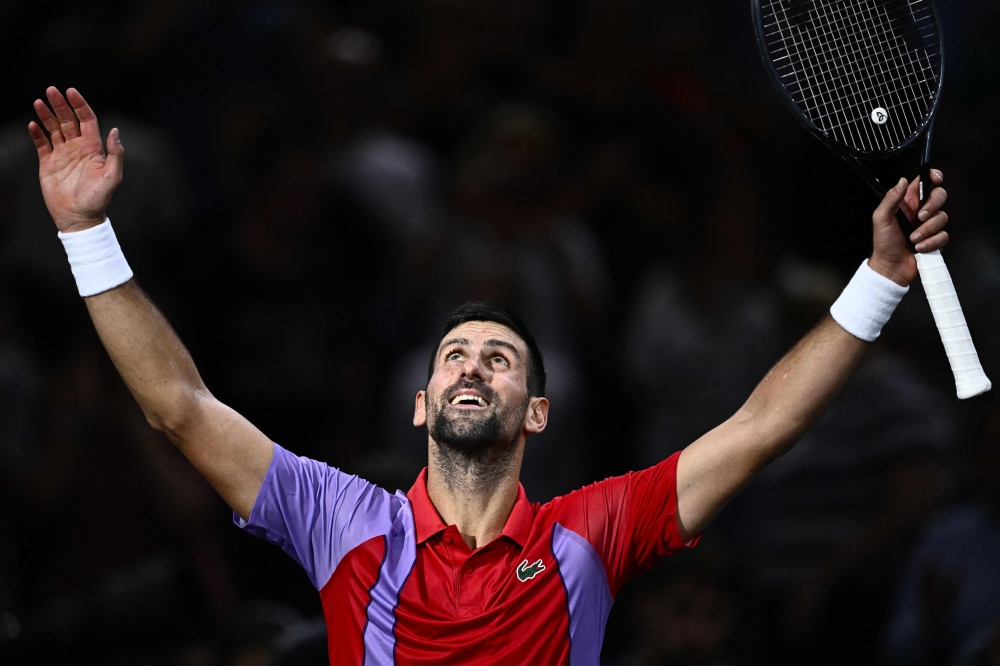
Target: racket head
x: 864, y: 76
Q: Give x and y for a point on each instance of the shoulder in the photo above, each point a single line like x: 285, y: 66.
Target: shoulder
x: 614, y: 499
x: 314, y: 492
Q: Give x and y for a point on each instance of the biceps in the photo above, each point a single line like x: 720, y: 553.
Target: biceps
x: 712, y: 471
x: 228, y: 450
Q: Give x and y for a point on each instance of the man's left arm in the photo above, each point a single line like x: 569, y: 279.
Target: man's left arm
x: 713, y: 469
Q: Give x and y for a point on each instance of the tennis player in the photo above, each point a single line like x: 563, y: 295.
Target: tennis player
x: 463, y: 568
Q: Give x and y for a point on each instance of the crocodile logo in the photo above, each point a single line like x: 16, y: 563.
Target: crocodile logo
x: 526, y: 573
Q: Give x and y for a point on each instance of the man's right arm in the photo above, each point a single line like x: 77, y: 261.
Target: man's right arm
x: 78, y: 181
x: 226, y: 448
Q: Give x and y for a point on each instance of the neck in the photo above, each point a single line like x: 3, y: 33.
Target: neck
x: 474, y: 493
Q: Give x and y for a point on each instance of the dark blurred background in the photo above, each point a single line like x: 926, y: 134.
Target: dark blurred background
x: 311, y: 187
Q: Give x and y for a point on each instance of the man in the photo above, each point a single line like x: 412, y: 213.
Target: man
x: 462, y: 568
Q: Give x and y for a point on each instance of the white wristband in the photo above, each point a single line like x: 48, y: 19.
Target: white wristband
x: 96, y: 259
x: 866, y: 303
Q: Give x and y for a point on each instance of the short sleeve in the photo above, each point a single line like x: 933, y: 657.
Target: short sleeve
x: 651, y: 517
x: 630, y: 520
x: 316, y: 513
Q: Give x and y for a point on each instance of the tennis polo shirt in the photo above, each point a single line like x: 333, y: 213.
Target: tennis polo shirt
x: 398, y: 586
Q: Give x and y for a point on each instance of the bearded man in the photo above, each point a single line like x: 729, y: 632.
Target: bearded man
x: 462, y: 568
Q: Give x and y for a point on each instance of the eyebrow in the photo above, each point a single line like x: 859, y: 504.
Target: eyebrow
x: 464, y: 342
x: 492, y: 342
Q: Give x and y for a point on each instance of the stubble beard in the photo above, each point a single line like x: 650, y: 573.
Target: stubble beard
x: 474, y: 448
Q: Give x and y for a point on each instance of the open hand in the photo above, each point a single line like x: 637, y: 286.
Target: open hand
x: 77, y: 179
x: 891, y: 256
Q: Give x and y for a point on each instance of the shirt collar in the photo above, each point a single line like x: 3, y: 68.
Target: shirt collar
x: 428, y: 520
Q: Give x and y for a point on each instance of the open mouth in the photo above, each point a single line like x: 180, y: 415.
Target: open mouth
x: 468, y: 399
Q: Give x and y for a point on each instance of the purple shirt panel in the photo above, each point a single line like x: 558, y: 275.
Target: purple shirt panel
x: 316, y: 513
x: 588, y: 596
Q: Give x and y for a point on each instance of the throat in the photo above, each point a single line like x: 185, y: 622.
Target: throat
x: 474, y: 473
x: 474, y: 493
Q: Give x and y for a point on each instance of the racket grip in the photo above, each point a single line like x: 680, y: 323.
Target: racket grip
x: 970, y: 380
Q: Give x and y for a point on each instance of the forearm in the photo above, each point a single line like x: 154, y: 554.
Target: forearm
x: 787, y: 401
x: 78, y: 180
x: 155, y: 365
x: 799, y: 388
x: 714, y: 469
x: 226, y: 448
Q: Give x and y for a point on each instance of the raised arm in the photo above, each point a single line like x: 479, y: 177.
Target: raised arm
x: 78, y: 181
x: 713, y: 469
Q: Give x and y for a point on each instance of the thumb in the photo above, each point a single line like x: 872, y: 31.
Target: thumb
x: 115, y: 162
x: 885, y: 214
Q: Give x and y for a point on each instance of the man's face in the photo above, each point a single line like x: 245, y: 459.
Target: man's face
x: 477, y: 396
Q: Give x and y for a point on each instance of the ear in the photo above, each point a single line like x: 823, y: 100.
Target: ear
x: 420, y: 409
x: 537, y: 416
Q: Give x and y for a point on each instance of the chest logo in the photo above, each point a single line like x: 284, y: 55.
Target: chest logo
x: 526, y: 572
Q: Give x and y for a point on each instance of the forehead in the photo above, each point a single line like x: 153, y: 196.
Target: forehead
x: 478, y: 332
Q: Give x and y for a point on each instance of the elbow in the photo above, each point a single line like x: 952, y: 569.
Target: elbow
x: 176, y: 415
x: 771, y: 434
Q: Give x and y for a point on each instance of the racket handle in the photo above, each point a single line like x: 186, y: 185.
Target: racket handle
x: 970, y: 380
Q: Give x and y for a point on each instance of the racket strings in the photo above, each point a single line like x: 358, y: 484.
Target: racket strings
x: 860, y: 56
x: 867, y: 76
x: 859, y: 66
x: 862, y: 85
x: 865, y: 72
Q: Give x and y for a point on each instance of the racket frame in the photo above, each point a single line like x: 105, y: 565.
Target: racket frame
x: 845, y: 152
x: 933, y: 272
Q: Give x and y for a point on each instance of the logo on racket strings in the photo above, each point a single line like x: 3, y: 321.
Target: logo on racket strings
x: 879, y: 115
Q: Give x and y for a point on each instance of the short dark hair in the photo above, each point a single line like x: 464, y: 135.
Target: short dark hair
x: 497, y: 313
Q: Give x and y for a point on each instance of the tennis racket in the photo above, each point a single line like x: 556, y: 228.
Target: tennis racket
x: 864, y: 77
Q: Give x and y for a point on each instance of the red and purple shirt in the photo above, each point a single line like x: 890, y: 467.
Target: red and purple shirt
x: 399, y: 586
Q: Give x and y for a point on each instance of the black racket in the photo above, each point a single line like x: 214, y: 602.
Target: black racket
x: 864, y: 76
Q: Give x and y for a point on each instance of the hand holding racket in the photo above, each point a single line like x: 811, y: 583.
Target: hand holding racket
x: 865, y: 77
x: 892, y: 256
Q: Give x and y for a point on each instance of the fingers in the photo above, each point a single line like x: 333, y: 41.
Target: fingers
x: 930, y: 235
x: 86, y: 115
x: 938, y: 196
x: 68, y: 123
x: 911, y: 202
x: 935, y: 242
x: 49, y: 121
x: 885, y: 214
x: 115, y: 162
x: 66, y: 119
x: 929, y: 229
x: 41, y: 141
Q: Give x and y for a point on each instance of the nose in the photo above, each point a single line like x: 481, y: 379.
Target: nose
x: 473, y: 369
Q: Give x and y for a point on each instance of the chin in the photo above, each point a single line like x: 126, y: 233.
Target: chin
x: 467, y: 433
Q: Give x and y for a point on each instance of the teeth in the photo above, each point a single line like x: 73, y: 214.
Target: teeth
x: 457, y: 400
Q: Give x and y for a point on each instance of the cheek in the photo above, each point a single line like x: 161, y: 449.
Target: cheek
x: 436, y: 388
x: 512, y: 390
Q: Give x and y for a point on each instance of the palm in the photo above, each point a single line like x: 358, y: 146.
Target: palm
x: 891, y: 241
x: 892, y: 256
x: 77, y: 179
x: 72, y: 178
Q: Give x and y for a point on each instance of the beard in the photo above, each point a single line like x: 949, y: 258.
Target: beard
x: 475, y: 443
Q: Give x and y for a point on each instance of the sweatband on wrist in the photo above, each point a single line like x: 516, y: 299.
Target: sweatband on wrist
x: 96, y: 259
x: 866, y: 303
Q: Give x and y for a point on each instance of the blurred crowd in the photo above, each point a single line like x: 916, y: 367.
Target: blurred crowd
x: 310, y: 187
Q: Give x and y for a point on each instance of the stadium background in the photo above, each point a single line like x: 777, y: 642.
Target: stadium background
x: 310, y: 187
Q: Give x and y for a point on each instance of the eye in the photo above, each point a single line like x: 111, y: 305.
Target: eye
x: 453, y: 356
x: 501, y: 361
